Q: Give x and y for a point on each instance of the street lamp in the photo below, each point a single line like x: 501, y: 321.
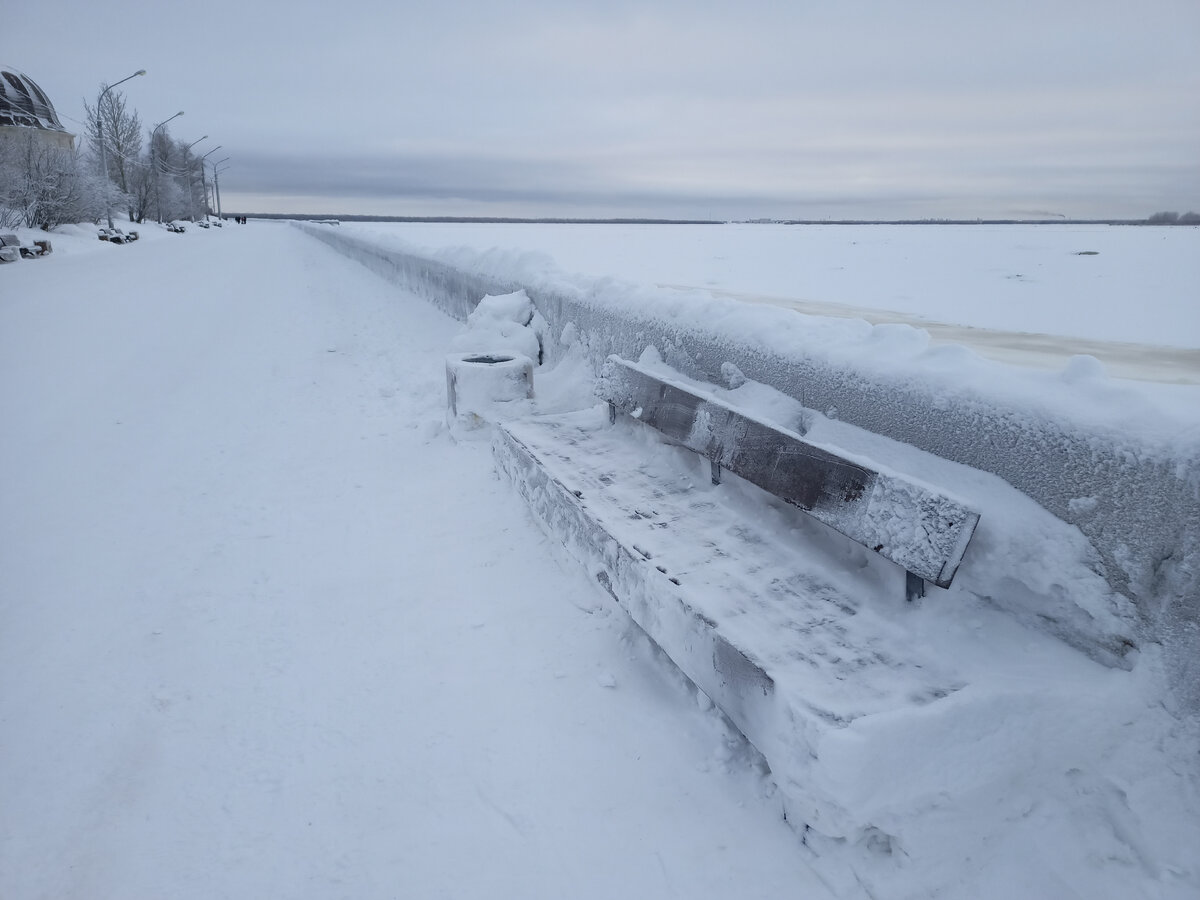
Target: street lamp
x: 217, y: 182
x: 204, y: 181
x: 100, y: 134
x: 154, y: 162
x: 191, y: 187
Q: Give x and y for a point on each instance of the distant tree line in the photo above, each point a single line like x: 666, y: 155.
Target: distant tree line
x: 1174, y: 218
x: 43, y: 186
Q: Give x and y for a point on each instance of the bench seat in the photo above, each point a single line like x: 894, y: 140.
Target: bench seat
x: 793, y: 630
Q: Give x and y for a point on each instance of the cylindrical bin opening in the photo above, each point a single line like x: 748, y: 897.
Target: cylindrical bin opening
x: 478, y: 383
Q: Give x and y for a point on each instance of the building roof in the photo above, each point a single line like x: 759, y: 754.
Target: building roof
x: 23, y: 103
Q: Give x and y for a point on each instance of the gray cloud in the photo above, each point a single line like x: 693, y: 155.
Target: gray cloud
x: 660, y: 108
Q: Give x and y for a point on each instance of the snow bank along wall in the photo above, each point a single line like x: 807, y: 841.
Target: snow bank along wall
x: 1126, y: 476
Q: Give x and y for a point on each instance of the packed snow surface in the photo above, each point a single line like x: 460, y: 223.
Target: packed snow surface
x: 268, y: 629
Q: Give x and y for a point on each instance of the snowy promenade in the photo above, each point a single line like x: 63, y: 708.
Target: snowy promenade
x: 265, y: 631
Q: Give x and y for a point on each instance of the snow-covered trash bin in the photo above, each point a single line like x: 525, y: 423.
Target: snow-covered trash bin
x: 504, y: 324
x: 490, y: 372
x: 479, y: 385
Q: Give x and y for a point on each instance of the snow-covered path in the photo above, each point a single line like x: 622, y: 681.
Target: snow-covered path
x: 266, y: 631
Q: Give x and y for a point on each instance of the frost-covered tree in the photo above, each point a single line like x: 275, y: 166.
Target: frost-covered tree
x: 189, y: 180
x: 122, y: 130
x: 44, y: 187
x: 173, y: 200
x: 141, y: 191
x: 162, y: 153
x: 175, y: 177
x: 1174, y: 218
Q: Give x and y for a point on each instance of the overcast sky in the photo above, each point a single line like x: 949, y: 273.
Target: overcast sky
x: 746, y: 109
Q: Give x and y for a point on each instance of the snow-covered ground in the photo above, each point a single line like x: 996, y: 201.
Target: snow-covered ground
x: 266, y: 630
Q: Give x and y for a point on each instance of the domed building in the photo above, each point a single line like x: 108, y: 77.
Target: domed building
x: 26, y: 112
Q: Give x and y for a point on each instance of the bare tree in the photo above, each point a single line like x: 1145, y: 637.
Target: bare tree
x: 11, y: 212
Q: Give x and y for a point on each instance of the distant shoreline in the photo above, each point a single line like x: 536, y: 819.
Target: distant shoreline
x: 512, y: 220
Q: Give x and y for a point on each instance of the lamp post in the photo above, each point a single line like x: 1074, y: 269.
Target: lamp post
x: 154, y: 162
x: 100, y: 134
x: 217, y: 182
x: 203, y: 180
x: 191, y: 189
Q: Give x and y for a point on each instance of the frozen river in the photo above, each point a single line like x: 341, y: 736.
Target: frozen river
x: 1028, y: 294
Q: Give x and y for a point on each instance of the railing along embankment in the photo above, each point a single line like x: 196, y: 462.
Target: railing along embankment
x: 1090, y: 450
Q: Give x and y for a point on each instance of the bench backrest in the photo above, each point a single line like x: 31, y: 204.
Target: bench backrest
x: 914, y: 525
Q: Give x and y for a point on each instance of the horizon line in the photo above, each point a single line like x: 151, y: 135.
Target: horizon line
x: 634, y: 220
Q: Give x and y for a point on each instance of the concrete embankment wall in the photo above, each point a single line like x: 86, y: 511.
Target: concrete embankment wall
x: 1131, y: 487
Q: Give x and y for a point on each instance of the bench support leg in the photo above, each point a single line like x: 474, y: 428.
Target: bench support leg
x: 914, y: 587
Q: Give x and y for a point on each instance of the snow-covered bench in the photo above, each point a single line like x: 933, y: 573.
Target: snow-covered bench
x: 923, y: 531
x: 11, y: 248
x: 117, y: 236
x: 782, y: 623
